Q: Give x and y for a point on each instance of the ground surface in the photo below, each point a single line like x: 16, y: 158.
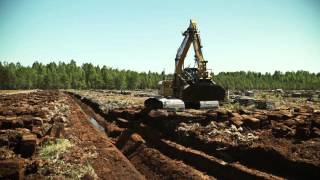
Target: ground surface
x: 109, y: 135
x: 31, y: 121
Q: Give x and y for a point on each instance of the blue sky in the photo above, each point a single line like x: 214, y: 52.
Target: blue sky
x: 142, y: 35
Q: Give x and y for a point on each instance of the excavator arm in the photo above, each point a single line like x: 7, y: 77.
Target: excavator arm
x: 182, y: 52
x: 191, y: 36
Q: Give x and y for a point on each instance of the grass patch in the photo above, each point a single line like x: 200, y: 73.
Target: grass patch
x: 61, y: 168
x: 52, y: 150
x: 269, y: 97
x: 54, y: 167
x: 232, y: 106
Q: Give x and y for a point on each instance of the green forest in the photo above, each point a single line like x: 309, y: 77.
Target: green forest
x: 88, y: 76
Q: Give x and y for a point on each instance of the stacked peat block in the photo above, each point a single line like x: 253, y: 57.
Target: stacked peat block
x: 23, y: 125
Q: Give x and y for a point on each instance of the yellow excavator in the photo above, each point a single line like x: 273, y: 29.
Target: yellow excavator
x: 190, y: 87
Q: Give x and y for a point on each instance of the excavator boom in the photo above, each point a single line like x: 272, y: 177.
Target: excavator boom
x: 191, y: 36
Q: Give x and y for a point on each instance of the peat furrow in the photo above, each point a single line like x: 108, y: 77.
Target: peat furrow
x: 201, y: 161
x: 148, y: 161
x: 153, y: 163
x: 263, y: 159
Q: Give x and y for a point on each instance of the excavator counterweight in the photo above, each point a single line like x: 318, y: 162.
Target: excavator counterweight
x: 192, y: 87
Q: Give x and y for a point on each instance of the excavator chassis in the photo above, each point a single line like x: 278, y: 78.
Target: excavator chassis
x: 203, y: 91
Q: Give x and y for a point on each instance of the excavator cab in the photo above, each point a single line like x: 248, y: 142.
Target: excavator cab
x: 191, y: 75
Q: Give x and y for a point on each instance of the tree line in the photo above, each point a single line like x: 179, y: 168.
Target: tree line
x: 290, y: 80
x: 87, y: 76
x: 69, y: 75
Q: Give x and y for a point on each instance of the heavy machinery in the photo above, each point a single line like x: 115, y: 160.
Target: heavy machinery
x: 190, y: 87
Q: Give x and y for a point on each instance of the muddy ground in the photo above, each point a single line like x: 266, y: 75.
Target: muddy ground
x: 109, y: 135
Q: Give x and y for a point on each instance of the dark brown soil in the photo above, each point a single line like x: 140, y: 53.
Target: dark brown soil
x: 271, y: 144
x: 110, y: 163
x: 148, y: 160
x: 29, y: 119
x: 133, y: 143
